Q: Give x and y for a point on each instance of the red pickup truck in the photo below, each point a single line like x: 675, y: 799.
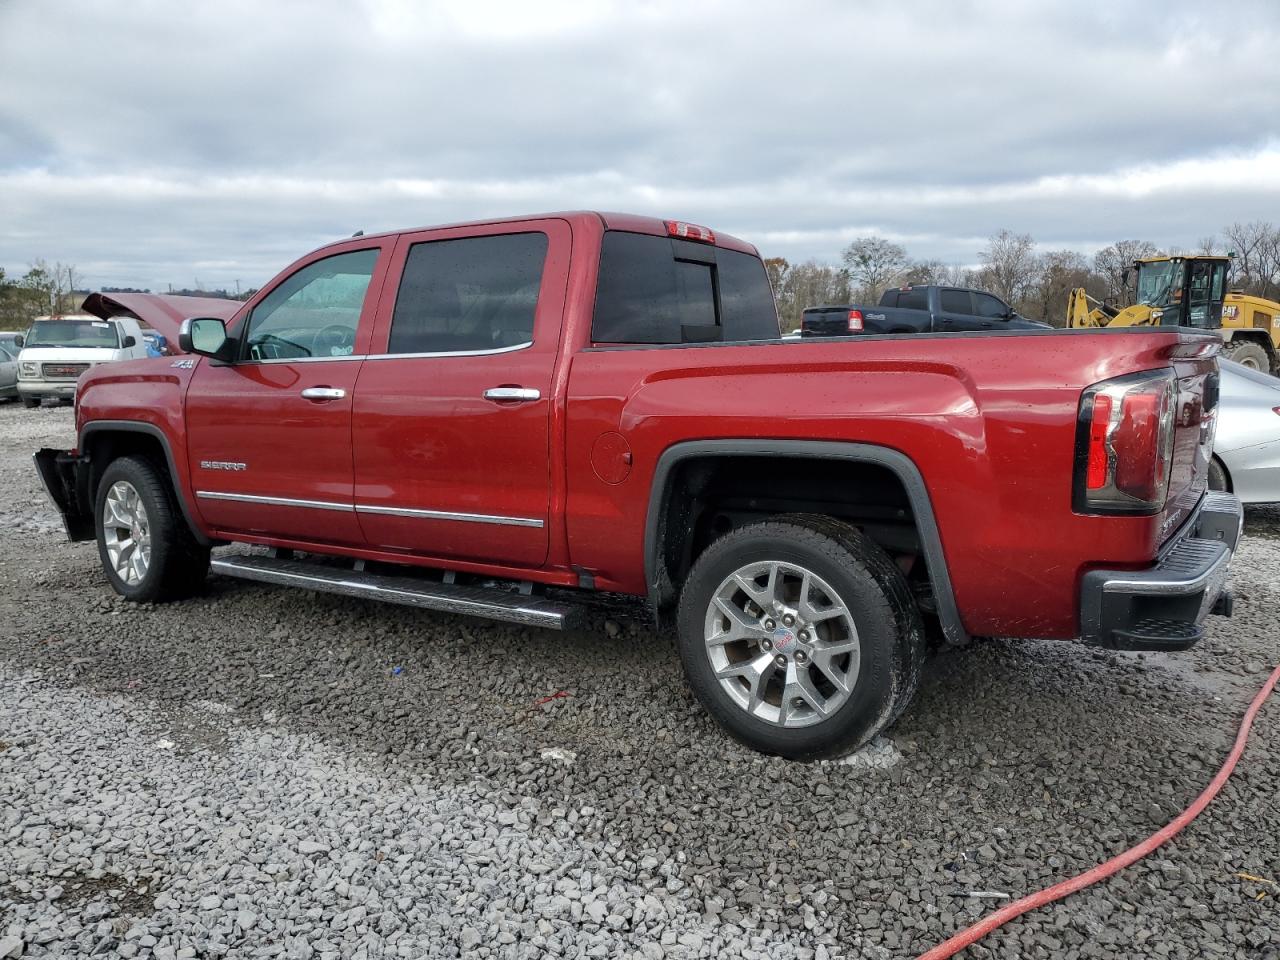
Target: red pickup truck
x: 600, y: 402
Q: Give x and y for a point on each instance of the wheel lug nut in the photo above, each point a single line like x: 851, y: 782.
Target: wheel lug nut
x: 804, y: 635
x: 767, y: 644
x: 788, y: 620
x: 769, y: 624
x: 801, y: 657
x: 780, y: 660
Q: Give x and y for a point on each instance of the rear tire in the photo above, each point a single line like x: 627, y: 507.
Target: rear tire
x: 801, y: 676
x: 147, y: 550
x: 31, y: 402
x: 1248, y: 354
x: 1218, y: 479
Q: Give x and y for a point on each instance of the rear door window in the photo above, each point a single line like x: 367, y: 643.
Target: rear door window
x: 664, y: 290
x: 956, y: 301
x: 469, y: 294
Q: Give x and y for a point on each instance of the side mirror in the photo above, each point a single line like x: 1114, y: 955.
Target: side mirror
x: 1124, y: 278
x: 19, y: 340
x: 128, y: 341
x: 206, y: 336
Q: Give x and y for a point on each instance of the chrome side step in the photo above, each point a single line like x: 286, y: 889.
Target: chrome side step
x: 446, y: 597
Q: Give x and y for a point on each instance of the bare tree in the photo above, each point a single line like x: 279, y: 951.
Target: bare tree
x: 874, y: 264
x: 1009, y: 266
x: 1112, y: 262
x: 1060, y: 272
x: 1256, y: 248
x: 937, y: 272
x: 801, y: 285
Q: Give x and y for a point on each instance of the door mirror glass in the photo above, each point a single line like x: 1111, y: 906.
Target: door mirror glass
x: 19, y: 340
x: 128, y: 341
x: 204, y: 335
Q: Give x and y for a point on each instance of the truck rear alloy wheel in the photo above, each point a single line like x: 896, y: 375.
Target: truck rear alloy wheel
x: 782, y: 644
x: 800, y: 636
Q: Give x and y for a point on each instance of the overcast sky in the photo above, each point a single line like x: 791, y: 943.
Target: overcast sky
x: 153, y: 143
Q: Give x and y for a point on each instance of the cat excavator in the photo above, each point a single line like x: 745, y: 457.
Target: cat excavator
x: 1190, y: 291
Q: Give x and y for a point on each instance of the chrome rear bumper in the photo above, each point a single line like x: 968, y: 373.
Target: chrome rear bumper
x: 1164, y: 607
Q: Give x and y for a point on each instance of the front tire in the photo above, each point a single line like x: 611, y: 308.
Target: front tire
x: 147, y: 550
x: 1248, y: 354
x: 31, y: 402
x: 800, y: 636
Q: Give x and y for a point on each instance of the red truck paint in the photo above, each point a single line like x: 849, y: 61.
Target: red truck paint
x: 989, y: 421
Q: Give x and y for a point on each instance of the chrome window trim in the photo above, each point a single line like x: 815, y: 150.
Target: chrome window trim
x: 451, y: 353
x: 449, y: 515
x: 389, y: 356
x: 368, y: 508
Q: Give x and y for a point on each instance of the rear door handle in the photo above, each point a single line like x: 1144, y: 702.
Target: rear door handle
x: 513, y: 394
x: 323, y: 393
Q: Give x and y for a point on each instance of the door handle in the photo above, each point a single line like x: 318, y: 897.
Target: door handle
x: 323, y: 393
x: 513, y: 394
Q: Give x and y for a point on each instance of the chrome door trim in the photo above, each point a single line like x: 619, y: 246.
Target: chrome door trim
x: 410, y: 512
x: 275, y: 501
x: 323, y: 393
x: 449, y: 515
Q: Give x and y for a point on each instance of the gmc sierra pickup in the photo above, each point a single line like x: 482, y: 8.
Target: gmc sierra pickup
x: 918, y: 309
x: 584, y: 402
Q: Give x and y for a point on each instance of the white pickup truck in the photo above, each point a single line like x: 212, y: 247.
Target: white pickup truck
x: 56, y: 350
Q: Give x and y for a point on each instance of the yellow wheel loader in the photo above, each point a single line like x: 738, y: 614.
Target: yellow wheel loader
x: 1190, y: 291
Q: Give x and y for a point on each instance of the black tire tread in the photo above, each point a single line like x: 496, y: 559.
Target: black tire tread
x: 843, y: 544
x: 180, y: 563
x: 1249, y: 349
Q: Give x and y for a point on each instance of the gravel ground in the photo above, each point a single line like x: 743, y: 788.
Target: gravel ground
x: 262, y: 772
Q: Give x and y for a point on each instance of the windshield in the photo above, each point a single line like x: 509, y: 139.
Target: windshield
x: 72, y: 333
x: 1157, y: 281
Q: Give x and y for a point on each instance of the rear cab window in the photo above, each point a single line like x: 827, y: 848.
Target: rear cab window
x: 663, y: 290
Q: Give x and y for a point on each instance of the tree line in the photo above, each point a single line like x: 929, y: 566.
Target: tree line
x: 1036, y: 283
x: 58, y: 288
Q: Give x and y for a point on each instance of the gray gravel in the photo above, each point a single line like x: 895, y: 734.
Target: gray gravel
x: 248, y: 775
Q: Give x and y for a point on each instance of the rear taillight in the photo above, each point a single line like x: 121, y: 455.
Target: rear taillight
x: 855, y: 321
x: 690, y: 231
x: 1124, y: 444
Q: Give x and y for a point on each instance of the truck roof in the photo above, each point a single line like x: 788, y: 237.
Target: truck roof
x: 630, y: 222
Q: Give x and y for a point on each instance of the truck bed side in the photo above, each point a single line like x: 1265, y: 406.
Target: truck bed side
x: 994, y: 441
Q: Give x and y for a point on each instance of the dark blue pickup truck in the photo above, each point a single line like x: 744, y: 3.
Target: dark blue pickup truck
x: 917, y: 309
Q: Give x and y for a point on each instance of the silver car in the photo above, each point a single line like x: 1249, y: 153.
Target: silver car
x: 8, y: 373
x: 1246, y: 451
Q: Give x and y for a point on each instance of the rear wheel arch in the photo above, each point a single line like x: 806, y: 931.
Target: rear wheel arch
x: 671, y: 538
x: 104, y: 441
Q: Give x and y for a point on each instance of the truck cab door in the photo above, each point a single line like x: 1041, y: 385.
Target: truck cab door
x: 453, y: 407
x: 269, y: 434
x: 992, y: 313
x: 955, y: 312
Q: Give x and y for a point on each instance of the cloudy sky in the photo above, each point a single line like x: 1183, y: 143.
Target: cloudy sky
x: 154, y: 143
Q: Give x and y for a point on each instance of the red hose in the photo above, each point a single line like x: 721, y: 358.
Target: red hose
x: 973, y: 934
